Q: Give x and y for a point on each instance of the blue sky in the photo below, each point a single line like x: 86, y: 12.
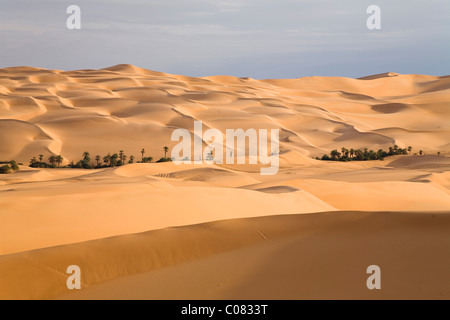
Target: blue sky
x: 247, y: 38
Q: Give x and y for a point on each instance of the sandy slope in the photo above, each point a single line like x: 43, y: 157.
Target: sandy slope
x: 268, y: 240
x: 284, y: 257
x: 92, y: 207
x: 47, y: 207
x: 128, y: 108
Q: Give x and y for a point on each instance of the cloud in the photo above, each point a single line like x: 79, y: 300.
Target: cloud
x: 263, y: 38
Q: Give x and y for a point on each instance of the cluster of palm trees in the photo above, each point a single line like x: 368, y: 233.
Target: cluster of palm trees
x: 366, y: 154
x: 9, y: 167
x: 110, y: 160
x: 53, y: 161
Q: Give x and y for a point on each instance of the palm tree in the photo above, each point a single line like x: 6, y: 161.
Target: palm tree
x: 409, y: 150
x: 124, y: 159
x: 107, y: 159
x: 41, y: 157
x: 335, y: 155
x: 359, y: 154
x: 121, y: 156
x: 86, y: 156
x: 380, y: 154
x: 352, y: 152
x: 59, y: 159
x: 143, y: 152
x: 166, y: 149
x: 97, y: 158
x: 52, y: 159
x: 147, y: 160
x: 131, y: 159
x: 421, y: 152
x: 113, y: 160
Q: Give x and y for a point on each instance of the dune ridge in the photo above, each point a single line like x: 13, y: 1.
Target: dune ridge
x: 93, y: 204
x: 282, y: 257
x: 69, y: 112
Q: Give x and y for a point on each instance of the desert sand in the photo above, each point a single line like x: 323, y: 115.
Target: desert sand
x: 166, y: 231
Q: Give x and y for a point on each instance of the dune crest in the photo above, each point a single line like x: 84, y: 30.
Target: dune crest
x: 124, y: 105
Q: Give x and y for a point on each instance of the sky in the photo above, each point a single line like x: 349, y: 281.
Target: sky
x: 248, y: 38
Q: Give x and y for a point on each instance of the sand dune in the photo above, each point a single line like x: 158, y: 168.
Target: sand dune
x: 431, y: 163
x: 284, y: 257
x: 121, y: 201
x: 139, y: 197
x: 123, y: 106
x: 163, y: 231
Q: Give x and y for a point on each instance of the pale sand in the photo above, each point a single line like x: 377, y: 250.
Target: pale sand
x: 277, y: 253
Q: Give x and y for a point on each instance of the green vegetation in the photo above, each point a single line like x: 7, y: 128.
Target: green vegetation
x: 97, y: 159
x: 114, y: 160
x: 14, y: 165
x: 5, y: 169
x: 147, y: 159
x: 9, y: 167
x: 365, y: 155
x: 165, y: 159
x: 84, y: 163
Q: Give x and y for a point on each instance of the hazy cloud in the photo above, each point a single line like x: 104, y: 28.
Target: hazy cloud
x: 256, y: 38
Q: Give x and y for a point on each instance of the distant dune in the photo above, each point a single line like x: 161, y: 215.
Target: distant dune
x: 128, y: 108
x: 167, y: 231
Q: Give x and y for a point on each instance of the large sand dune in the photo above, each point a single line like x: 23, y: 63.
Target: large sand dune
x: 128, y: 108
x: 165, y: 231
x: 320, y: 256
